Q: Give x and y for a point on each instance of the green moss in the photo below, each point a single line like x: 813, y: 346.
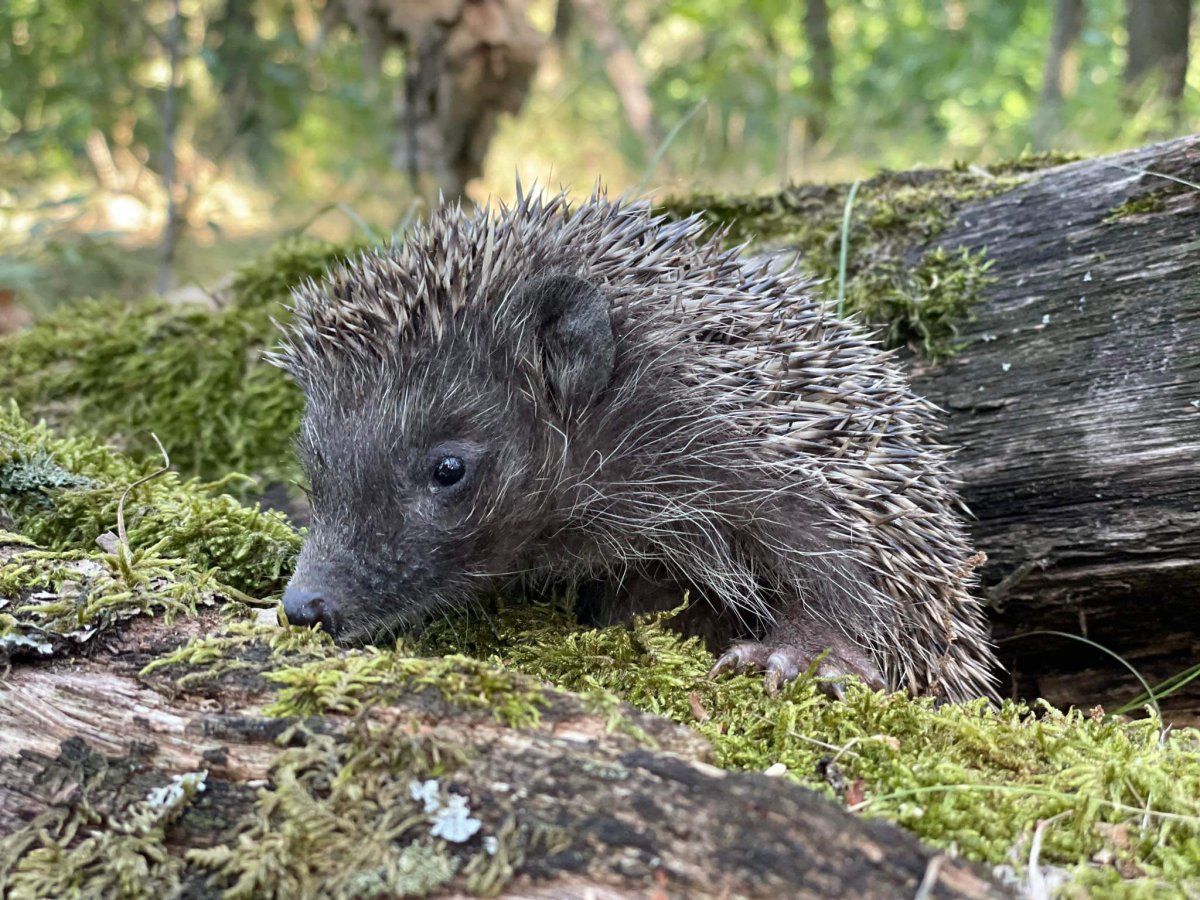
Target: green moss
x: 191, y: 375
x: 73, y: 581
x: 341, y: 819
x: 375, y: 677
x: 923, y: 304
x: 212, y: 662
x: 1147, y: 204
x: 64, y: 854
x: 1030, y: 162
x: 970, y: 776
x: 76, y: 597
x: 896, y: 279
x: 166, y: 518
x: 318, y: 678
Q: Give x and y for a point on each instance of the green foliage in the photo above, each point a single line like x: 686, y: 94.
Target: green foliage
x: 59, y: 253
x: 82, y: 103
x: 70, y: 67
x: 908, y: 88
x: 279, y: 102
x: 76, y: 70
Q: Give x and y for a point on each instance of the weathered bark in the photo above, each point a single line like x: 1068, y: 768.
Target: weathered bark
x: 467, y: 63
x: 1076, y: 402
x: 623, y: 820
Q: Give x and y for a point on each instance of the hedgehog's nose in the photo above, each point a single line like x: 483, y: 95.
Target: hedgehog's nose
x: 308, y: 608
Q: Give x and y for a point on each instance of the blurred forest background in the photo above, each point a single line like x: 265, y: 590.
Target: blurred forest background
x: 152, y: 143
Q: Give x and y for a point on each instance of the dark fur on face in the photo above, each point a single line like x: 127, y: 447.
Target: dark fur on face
x: 406, y: 476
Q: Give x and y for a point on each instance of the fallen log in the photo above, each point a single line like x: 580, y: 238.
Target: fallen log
x: 1075, y: 400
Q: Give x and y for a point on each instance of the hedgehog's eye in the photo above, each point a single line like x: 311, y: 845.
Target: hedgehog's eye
x: 451, y: 467
x: 449, y: 470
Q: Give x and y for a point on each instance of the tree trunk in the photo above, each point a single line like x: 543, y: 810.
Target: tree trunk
x: 468, y: 63
x: 1076, y: 402
x: 577, y: 808
x: 1062, y: 63
x: 820, y: 48
x: 1158, y: 40
x: 623, y: 69
x: 564, y: 21
x: 174, y: 221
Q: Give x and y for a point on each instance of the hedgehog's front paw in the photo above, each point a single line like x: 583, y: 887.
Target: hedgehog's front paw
x: 780, y: 662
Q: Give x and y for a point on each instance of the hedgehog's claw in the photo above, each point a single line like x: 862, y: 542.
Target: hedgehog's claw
x: 781, y: 663
x: 740, y: 657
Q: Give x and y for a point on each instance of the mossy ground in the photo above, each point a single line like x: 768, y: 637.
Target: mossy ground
x: 1120, y: 799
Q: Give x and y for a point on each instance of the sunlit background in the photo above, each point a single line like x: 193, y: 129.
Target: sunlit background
x: 285, y: 114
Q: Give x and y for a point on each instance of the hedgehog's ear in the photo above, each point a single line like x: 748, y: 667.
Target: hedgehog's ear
x: 576, y: 336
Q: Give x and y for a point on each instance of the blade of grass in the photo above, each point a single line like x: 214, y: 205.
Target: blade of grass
x: 1137, y: 171
x: 844, y: 250
x: 345, y: 210
x: 1164, y: 688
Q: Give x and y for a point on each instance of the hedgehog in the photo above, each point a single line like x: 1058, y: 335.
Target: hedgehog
x: 600, y: 399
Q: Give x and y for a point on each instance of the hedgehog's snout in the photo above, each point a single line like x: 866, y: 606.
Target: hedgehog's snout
x: 307, y: 608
